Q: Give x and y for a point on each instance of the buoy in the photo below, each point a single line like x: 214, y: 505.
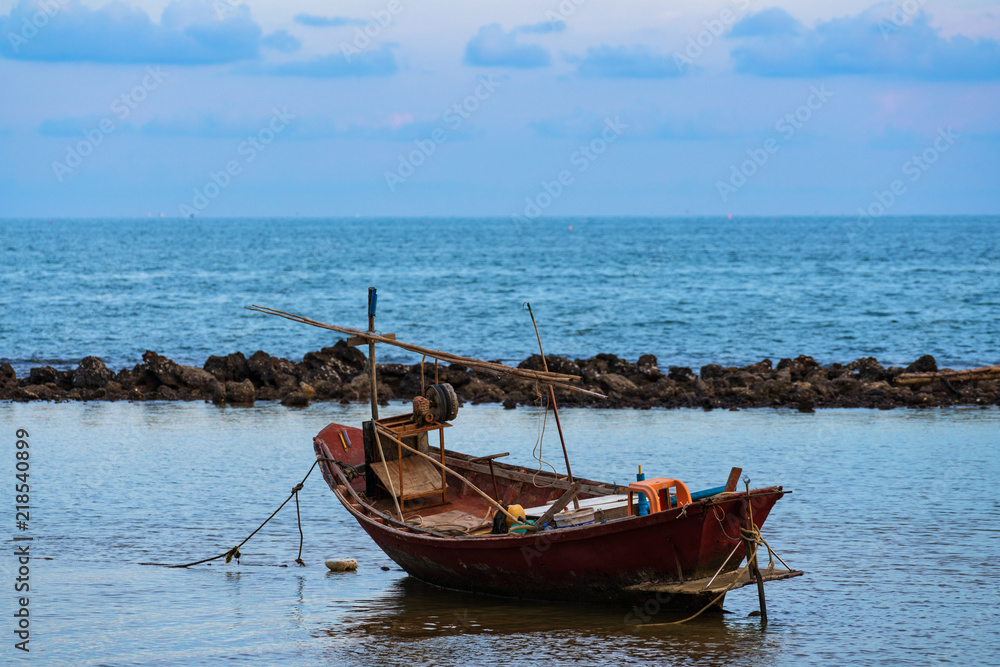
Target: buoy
x: 342, y: 565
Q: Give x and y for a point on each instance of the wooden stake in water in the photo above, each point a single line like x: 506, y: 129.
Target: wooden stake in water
x: 752, y: 563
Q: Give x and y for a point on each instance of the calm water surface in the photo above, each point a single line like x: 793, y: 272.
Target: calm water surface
x: 894, y: 516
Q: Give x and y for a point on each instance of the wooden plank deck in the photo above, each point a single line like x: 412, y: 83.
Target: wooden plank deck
x: 721, y: 583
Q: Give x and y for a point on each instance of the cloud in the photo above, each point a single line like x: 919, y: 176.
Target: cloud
x: 209, y: 125
x: 189, y: 33
x: 73, y: 126
x: 373, y: 62
x: 875, y: 42
x: 627, y: 62
x: 204, y: 125
x: 314, y: 21
x: 281, y: 40
x: 642, y: 126
x: 543, y: 28
x: 492, y: 47
x: 767, y: 22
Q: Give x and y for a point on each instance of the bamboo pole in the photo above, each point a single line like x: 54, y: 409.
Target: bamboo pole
x: 558, y: 379
x: 385, y: 467
x: 472, y: 486
x: 555, y: 406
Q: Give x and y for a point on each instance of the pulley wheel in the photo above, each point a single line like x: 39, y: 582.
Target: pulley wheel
x: 444, y: 402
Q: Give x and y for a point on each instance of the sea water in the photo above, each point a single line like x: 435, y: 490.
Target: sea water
x: 691, y: 291
x: 893, y: 516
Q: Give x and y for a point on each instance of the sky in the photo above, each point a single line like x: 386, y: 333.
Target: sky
x: 503, y: 108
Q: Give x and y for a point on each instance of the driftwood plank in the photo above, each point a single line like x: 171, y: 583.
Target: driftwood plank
x: 972, y: 374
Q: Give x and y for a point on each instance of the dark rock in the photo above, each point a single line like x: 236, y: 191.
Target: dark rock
x: 194, y: 378
x: 240, y: 393
x: 712, y: 371
x: 126, y: 378
x: 835, y: 371
x: 806, y: 406
x: 776, y: 389
x: 8, y: 378
x: 867, y: 369
x: 616, y: 365
x: 323, y: 366
x: 681, y: 374
x: 219, y: 394
x: 925, y: 364
x: 359, y: 388
x: 478, y: 391
x: 91, y: 374
x: 760, y: 367
x: 846, y: 386
x: 296, y: 399
x: 509, y: 404
x: 230, y: 368
x: 166, y: 393
x: 613, y: 383
x: 44, y: 375
x: 325, y: 390
x: 34, y: 392
x: 456, y: 375
x: 162, y: 368
x: 648, y: 367
x: 555, y: 364
x: 345, y: 361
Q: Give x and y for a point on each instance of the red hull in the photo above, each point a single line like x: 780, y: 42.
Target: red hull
x: 613, y: 561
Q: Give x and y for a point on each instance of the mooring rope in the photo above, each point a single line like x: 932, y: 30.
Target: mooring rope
x: 751, y: 535
x: 235, y: 551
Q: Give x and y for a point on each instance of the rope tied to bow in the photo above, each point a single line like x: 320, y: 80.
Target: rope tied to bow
x: 235, y: 551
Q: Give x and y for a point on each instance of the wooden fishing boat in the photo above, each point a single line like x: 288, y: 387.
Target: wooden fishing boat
x: 478, y: 524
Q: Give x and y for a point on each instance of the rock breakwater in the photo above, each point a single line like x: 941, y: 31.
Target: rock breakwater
x: 338, y: 373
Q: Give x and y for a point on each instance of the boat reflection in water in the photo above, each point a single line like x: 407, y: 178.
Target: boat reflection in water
x: 414, y: 623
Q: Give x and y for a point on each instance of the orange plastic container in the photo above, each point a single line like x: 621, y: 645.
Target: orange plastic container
x: 653, y: 487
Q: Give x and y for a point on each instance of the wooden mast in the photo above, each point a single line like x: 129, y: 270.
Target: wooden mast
x: 373, y: 387
x: 555, y: 406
